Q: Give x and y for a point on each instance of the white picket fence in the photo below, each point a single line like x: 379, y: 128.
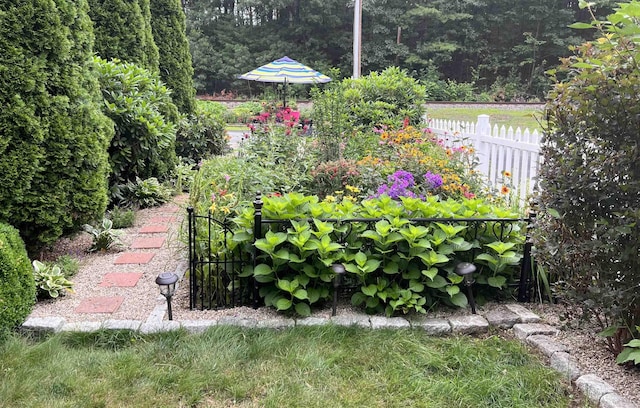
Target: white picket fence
x: 498, y: 150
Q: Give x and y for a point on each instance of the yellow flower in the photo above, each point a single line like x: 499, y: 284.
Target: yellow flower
x: 504, y: 190
x: 225, y: 210
x: 330, y: 199
x: 352, y: 189
x: 213, y: 208
x: 506, y: 173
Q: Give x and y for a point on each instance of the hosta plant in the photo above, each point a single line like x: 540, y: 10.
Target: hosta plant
x: 104, y: 236
x: 50, y: 281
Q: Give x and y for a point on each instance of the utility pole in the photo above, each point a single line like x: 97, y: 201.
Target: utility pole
x: 357, y: 38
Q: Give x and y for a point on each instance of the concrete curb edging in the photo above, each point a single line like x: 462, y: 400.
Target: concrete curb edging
x: 526, y: 327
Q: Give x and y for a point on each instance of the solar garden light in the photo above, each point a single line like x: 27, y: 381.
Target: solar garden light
x: 466, y: 270
x: 339, y: 270
x: 167, y: 282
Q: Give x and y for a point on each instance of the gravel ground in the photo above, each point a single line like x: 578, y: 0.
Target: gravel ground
x: 142, y: 299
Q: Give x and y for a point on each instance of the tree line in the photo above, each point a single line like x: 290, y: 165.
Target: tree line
x: 501, y: 46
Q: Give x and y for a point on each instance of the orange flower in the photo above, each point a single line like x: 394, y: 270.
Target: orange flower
x: 504, y: 190
x: 506, y: 173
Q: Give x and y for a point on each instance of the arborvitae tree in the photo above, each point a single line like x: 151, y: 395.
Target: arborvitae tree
x: 53, y: 150
x: 176, y: 71
x: 148, y: 42
x: 123, y: 30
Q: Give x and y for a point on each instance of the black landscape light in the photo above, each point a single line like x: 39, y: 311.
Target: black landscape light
x: 466, y: 270
x: 167, y: 282
x: 339, y: 270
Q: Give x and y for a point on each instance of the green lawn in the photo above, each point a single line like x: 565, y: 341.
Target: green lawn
x: 326, y: 366
x: 524, y: 118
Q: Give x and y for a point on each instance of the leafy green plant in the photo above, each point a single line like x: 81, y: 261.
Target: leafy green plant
x: 145, y: 121
x: 384, y: 98
x: 121, y: 217
x: 144, y: 193
x: 68, y: 265
x: 202, y: 134
x: 631, y: 351
x: 50, y: 281
x: 104, y: 237
x: 399, y: 266
x: 17, y: 287
x: 587, y: 235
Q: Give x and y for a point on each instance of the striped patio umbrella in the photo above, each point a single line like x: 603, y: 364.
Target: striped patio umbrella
x: 286, y: 71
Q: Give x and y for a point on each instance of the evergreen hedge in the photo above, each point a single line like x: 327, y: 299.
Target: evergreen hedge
x: 123, y: 31
x: 169, y: 32
x: 53, y: 150
x: 17, y: 285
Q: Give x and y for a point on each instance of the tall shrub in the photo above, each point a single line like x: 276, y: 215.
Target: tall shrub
x: 53, y: 150
x: 384, y: 98
x: 170, y: 35
x: 144, y: 116
x: 590, y: 178
x: 17, y: 285
x: 123, y: 30
x: 202, y: 134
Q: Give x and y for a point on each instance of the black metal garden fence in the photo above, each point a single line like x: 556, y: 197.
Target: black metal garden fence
x: 218, y: 268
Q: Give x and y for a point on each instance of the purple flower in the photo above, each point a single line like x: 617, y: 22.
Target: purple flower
x: 433, y: 180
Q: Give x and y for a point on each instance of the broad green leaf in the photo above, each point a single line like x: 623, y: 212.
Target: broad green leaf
x: 283, y: 304
x: 453, y: 290
x: 580, y: 25
x: 264, y: 279
x: 488, y: 258
x: 303, y: 309
x: 262, y: 270
x: 369, y: 290
x: 371, y: 265
x: 416, y: 286
x: 497, y: 281
x: 459, y: 299
x: 391, y: 268
x: 361, y: 259
x: 300, y: 294
x: 430, y: 273
x: 313, y: 295
x: 554, y: 213
x: 501, y: 247
x: 373, y: 302
x: 437, y: 282
x: 358, y: 298
x: 633, y: 343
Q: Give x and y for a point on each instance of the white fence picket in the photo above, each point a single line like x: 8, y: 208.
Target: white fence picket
x: 498, y: 150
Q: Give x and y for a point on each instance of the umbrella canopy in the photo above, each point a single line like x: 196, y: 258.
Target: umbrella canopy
x: 285, y: 70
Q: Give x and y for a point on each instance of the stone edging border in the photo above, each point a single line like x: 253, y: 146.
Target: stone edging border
x: 526, y: 327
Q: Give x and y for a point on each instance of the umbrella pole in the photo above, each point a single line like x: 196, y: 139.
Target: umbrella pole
x: 284, y: 94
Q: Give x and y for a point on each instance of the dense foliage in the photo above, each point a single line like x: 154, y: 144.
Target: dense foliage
x: 169, y: 33
x: 123, y: 31
x: 381, y: 98
x: 17, y: 286
x: 499, y: 46
x: 202, y: 133
x: 589, y: 238
x: 53, y: 162
x: 353, y: 167
x: 144, y: 116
